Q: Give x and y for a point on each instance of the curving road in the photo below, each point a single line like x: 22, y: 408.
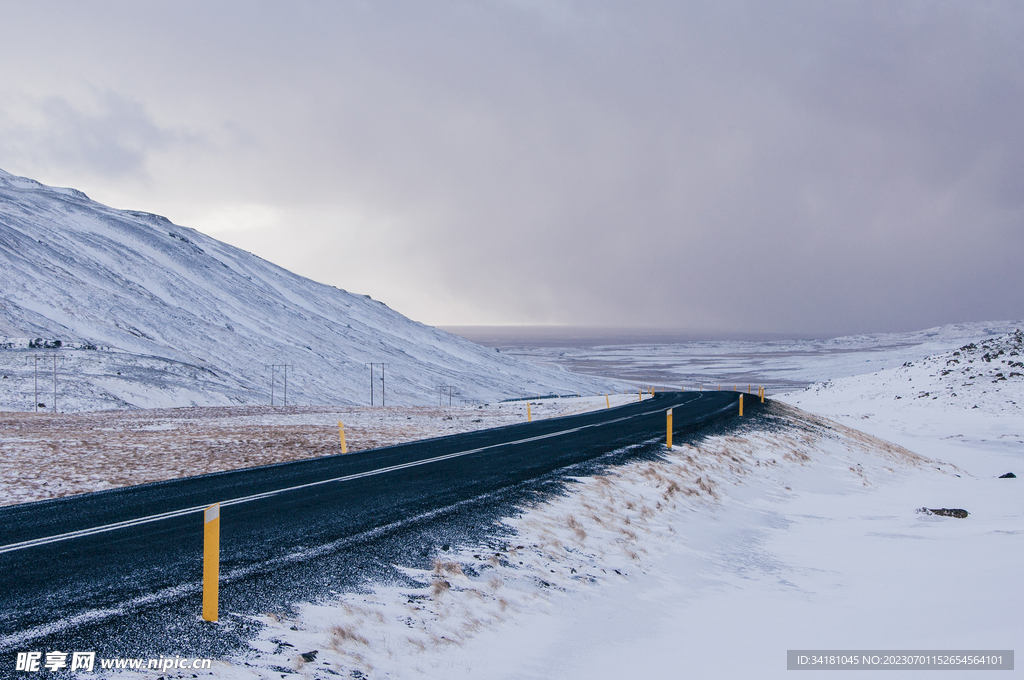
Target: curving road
x: 76, y: 561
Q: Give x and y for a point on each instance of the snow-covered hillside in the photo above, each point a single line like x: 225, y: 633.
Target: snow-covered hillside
x: 143, y: 312
x: 943, y: 377
x: 973, y: 396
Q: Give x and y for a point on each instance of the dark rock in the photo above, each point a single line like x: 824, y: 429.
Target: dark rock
x: 308, y: 656
x: 959, y: 513
x: 1008, y: 475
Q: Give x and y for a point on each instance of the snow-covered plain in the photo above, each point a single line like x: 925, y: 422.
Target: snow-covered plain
x: 781, y: 365
x: 145, y: 313
x: 795, y: 532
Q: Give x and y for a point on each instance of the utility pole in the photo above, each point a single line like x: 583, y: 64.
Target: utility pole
x: 273, y: 379
x: 35, y: 374
x: 382, y: 366
x: 446, y: 389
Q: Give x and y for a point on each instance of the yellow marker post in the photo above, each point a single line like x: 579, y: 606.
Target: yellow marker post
x: 607, y: 403
x: 719, y: 387
x: 341, y: 436
x: 529, y: 417
x: 640, y: 395
x: 748, y: 389
x: 761, y: 390
x: 668, y: 439
x: 741, y: 404
x: 211, y: 561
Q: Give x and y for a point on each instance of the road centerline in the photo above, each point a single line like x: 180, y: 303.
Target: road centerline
x: 267, y: 494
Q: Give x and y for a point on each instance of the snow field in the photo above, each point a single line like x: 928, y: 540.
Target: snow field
x: 965, y: 406
x: 781, y: 365
x: 650, y: 568
x: 796, y: 532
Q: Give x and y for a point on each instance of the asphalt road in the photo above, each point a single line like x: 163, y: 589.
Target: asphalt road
x: 80, y: 561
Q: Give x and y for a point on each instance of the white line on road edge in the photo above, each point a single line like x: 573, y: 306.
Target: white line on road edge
x: 267, y: 494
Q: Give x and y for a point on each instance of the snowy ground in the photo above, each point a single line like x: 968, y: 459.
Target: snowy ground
x: 965, y: 406
x: 46, y: 455
x: 782, y: 365
x: 796, y: 532
x: 800, y: 533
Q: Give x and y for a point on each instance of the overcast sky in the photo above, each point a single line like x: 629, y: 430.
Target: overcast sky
x: 780, y: 167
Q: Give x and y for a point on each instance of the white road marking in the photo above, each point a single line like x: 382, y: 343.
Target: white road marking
x: 267, y: 494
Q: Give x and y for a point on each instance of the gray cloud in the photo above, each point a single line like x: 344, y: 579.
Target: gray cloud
x: 790, y: 167
x: 110, y: 136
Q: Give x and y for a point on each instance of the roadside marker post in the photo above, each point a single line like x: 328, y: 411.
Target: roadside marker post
x: 762, y: 394
x: 741, y: 404
x: 668, y: 419
x: 529, y: 417
x: 211, y: 561
x: 607, y: 403
x: 640, y: 395
x: 748, y: 389
x: 341, y: 436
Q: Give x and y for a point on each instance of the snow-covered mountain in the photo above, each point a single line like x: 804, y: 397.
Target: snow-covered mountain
x: 141, y: 312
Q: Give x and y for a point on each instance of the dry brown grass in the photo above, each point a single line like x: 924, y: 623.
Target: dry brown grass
x: 622, y: 514
x: 442, y: 567
x: 47, y: 456
x: 343, y: 636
